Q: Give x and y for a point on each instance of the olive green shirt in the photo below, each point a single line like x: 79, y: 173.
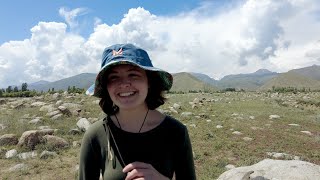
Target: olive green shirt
x: 167, y: 148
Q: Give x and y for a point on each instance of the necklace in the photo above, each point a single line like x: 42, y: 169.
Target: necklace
x: 144, y: 120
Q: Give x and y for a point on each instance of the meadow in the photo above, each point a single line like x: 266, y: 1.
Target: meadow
x: 232, y: 128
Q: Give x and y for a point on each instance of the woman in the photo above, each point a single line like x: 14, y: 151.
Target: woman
x: 134, y: 141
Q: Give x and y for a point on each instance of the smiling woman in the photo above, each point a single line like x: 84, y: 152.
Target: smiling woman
x: 134, y: 140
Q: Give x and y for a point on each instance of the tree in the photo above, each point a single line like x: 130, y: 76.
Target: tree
x: 9, y: 89
x: 1, y: 93
x: 24, y: 87
x: 15, y: 89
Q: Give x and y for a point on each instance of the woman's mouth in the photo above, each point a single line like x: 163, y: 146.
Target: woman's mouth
x: 126, y: 94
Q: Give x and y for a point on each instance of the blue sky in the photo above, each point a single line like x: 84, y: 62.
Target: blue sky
x: 18, y: 16
x: 51, y: 40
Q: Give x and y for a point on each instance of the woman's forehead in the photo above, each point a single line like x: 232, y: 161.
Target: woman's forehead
x: 125, y: 67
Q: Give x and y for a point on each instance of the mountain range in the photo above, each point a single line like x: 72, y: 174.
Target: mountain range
x: 261, y: 80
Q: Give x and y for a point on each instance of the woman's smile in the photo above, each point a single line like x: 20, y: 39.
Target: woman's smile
x: 127, y: 86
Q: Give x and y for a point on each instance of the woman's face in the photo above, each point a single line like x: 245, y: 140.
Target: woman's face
x: 127, y: 86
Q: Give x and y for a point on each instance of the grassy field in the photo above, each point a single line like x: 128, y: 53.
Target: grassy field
x: 214, y: 148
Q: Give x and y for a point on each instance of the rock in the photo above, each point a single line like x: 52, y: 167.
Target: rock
x: 35, y: 121
x: 274, y: 117
x: 307, y: 132
x: 12, y: 153
x: 274, y: 169
x: 65, y: 111
x: 33, y: 137
x: 8, y: 139
x: 237, y: 133
x: 38, y: 104
x: 186, y: 114
x: 83, y: 124
x: 176, y: 106
x: 55, y: 141
x: 19, y: 167
x: 219, y: 126
x: 46, y: 154
x: 74, y: 131
x: 247, y: 139
x: 27, y: 155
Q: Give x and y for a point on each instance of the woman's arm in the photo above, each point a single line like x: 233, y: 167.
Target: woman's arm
x: 185, y: 169
x: 89, y: 167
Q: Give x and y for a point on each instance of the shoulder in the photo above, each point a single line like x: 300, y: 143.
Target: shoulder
x: 95, y: 130
x: 174, y: 124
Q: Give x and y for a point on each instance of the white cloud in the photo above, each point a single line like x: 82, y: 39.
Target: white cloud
x: 71, y: 15
x: 242, y: 38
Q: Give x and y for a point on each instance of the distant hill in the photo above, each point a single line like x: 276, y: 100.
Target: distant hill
x: 205, y: 78
x: 186, y: 82
x: 262, y: 79
x: 291, y: 79
x: 83, y: 80
x: 312, y: 72
x: 251, y: 81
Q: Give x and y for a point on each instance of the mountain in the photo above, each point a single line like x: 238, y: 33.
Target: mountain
x: 250, y: 82
x: 186, y: 82
x: 260, y: 80
x: 312, y: 72
x: 83, y: 80
x: 205, y: 78
x: 291, y: 79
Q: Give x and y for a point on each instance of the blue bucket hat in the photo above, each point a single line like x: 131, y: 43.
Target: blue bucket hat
x: 126, y: 54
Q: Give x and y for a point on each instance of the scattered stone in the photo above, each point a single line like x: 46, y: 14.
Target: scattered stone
x: 186, y: 114
x: 173, y: 110
x: 192, y: 125
x: 274, y: 117
x: 2, y: 126
x: 230, y: 166
x: 35, y: 121
x: 46, y: 154
x: 11, y: 153
x: 55, y: 141
x: 251, y: 117
x: 176, y: 106
x: 57, y: 116
x: 27, y: 155
x: 8, y: 139
x: 76, y: 144
x: 74, y: 131
x: 274, y: 169
x: 307, y: 132
x: 247, y: 139
x: 83, y: 124
x: 293, y: 124
x: 38, y: 104
x: 19, y: 167
x: 237, y: 133
x: 219, y: 126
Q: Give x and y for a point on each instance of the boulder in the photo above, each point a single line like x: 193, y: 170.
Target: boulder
x: 274, y: 169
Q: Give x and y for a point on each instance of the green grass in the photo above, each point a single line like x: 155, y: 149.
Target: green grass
x: 213, y: 148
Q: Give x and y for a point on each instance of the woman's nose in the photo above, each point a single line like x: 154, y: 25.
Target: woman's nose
x: 125, y: 82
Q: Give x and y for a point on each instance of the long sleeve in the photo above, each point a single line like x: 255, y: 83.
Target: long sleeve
x: 185, y: 167
x: 89, y: 167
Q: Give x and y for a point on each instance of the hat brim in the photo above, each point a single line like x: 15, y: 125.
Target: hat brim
x: 96, y: 89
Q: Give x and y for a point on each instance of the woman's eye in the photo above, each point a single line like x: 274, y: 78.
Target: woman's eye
x: 112, y: 78
x: 133, y: 75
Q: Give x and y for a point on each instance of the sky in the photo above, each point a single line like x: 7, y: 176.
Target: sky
x: 52, y: 40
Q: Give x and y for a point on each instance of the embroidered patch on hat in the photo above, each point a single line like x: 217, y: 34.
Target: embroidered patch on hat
x: 117, y: 53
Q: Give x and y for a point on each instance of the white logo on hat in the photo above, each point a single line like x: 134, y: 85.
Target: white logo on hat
x: 116, y: 53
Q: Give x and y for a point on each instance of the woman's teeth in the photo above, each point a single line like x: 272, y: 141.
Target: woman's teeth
x: 126, y: 94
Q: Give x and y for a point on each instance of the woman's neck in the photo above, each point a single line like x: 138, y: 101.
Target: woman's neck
x: 132, y: 119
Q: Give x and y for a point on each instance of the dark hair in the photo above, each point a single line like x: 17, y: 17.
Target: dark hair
x: 154, y: 99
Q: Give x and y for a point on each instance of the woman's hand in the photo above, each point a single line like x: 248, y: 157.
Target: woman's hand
x: 142, y: 171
